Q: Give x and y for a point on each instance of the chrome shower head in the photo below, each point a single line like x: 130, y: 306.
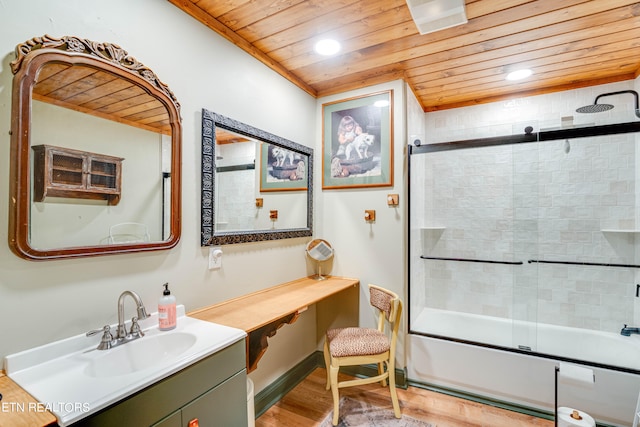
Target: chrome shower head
x: 598, y: 108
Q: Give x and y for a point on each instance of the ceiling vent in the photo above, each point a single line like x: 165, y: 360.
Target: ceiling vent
x: 435, y: 15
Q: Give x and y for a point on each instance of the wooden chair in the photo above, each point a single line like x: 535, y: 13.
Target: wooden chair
x: 360, y: 346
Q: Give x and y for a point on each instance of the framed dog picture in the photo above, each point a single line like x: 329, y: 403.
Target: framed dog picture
x: 357, y: 142
x: 282, y: 169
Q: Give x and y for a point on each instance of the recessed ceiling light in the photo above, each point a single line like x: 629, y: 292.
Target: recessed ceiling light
x: 519, y: 74
x: 327, y: 47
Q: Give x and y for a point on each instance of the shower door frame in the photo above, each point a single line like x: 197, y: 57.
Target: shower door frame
x: 527, y: 137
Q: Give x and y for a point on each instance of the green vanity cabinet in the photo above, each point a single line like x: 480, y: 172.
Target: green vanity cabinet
x: 213, y: 391
x: 212, y: 408
x: 173, y: 420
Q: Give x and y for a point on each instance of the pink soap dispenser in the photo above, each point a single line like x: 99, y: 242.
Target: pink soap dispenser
x: 167, y: 310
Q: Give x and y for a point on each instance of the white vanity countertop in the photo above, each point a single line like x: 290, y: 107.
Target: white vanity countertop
x: 72, y: 379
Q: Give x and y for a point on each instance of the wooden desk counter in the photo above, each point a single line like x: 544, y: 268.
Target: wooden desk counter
x: 261, y: 313
x: 18, y: 408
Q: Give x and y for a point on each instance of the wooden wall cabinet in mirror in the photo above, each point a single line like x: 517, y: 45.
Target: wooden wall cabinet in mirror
x: 91, y: 105
x: 255, y: 185
x: 62, y: 172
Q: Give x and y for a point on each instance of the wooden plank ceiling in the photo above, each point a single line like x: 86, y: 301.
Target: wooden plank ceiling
x: 567, y: 43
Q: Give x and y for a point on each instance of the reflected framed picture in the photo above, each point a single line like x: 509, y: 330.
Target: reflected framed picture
x: 282, y: 169
x: 357, y: 142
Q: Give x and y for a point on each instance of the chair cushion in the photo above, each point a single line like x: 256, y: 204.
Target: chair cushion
x: 356, y: 342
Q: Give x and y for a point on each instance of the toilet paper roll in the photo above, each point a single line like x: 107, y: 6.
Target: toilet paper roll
x: 569, y: 417
x: 575, y: 375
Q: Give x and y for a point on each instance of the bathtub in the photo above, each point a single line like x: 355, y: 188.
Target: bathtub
x: 583, y: 345
x: 525, y: 377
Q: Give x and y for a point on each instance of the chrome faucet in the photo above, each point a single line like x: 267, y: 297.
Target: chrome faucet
x: 108, y: 340
x: 627, y: 331
x: 142, y: 314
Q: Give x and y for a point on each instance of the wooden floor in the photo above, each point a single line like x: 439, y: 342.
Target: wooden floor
x: 309, y: 403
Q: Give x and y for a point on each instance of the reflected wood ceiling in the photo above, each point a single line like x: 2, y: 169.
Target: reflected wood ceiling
x: 224, y: 136
x: 567, y: 43
x: 100, y: 94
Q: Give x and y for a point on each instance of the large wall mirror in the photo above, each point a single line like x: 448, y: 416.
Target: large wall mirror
x: 255, y: 185
x: 95, y: 152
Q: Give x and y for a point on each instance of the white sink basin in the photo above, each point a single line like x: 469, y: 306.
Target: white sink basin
x: 143, y: 353
x: 74, y: 379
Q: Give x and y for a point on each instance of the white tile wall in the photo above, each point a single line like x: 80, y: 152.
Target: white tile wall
x: 532, y: 201
x: 236, y: 210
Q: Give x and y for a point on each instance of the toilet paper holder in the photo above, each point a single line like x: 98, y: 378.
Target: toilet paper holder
x: 577, y: 375
x: 575, y: 414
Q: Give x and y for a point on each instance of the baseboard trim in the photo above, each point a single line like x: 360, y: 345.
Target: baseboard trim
x: 272, y: 393
x: 484, y: 400
x: 513, y: 407
x: 275, y: 391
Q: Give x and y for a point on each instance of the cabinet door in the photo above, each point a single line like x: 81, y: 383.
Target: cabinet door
x: 66, y: 170
x: 103, y: 174
x: 222, y: 406
x: 173, y: 420
x: 164, y: 398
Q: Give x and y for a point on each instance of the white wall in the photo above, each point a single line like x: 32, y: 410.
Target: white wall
x: 45, y: 301
x: 236, y: 209
x: 64, y: 222
x: 373, y: 252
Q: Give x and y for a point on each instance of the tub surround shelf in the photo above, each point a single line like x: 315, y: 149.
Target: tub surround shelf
x: 262, y: 313
x: 486, y: 261
x: 596, y: 264
x: 613, y: 230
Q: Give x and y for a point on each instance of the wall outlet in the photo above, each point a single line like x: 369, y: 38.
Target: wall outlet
x: 215, y: 258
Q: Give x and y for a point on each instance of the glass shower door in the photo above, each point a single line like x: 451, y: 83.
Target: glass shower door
x: 463, y: 259
x: 529, y: 246
x: 526, y: 187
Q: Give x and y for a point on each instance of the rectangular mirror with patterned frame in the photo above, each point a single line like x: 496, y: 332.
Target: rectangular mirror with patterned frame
x: 255, y: 185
